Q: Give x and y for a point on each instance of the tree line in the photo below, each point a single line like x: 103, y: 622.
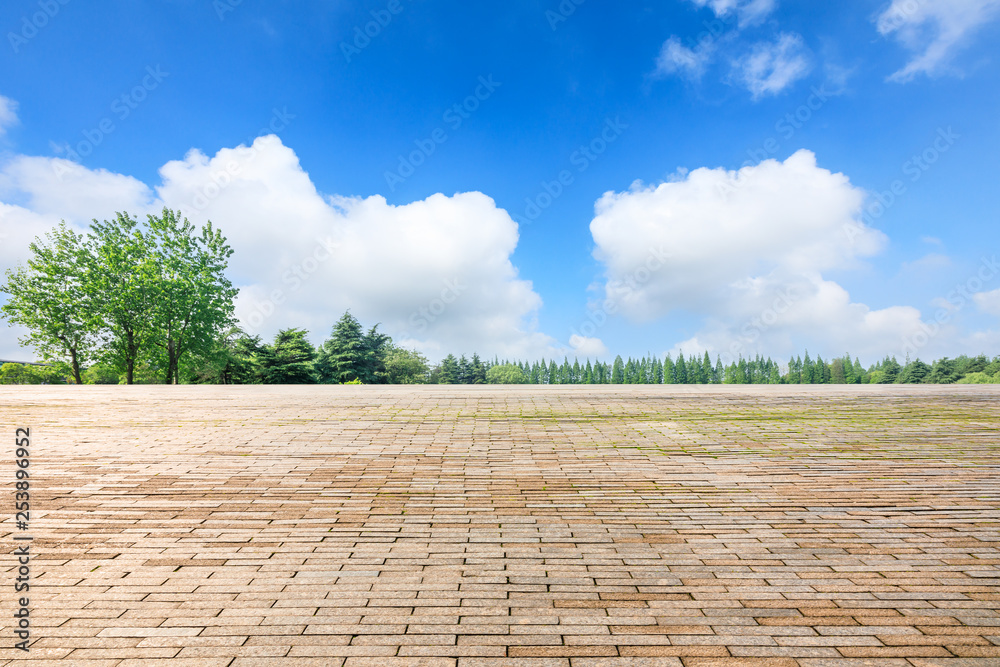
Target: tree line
x: 352, y: 355
x: 148, y: 302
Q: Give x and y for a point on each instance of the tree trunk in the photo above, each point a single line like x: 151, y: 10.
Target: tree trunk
x: 76, y: 365
x: 173, y: 363
x: 129, y: 358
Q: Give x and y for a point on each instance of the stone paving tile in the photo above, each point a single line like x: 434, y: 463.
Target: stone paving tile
x: 527, y: 526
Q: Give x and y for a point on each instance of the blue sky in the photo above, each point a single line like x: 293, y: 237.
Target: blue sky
x: 824, y: 106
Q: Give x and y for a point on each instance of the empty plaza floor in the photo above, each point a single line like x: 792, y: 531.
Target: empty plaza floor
x: 480, y: 526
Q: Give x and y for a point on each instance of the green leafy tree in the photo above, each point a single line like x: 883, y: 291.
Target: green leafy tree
x: 945, y: 371
x: 101, y: 374
x: 34, y: 374
x: 122, y: 288
x: 838, y: 374
x: 192, y: 300
x: 234, y: 358
x: 49, y: 298
x: 980, y: 378
x: 506, y: 374
x: 289, y: 360
x: 406, y: 366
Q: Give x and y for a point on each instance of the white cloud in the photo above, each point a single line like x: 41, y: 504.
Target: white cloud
x: 988, y: 302
x: 746, y: 252
x: 65, y: 189
x: 8, y: 114
x: 675, y: 58
x: 771, y: 67
x: 936, y: 29
x: 436, y: 273
x: 588, y: 347
x: 18, y: 228
x: 927, y: 264
x: 692, y: 61
x: 748, y: 12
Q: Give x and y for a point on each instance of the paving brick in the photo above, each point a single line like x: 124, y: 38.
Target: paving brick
x: 527, y: 526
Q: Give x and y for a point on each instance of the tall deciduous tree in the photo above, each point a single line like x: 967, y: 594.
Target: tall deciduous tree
x: 192, y: 302
x: 49, y: 298
x: 406, y: 367
x: 122, y: 287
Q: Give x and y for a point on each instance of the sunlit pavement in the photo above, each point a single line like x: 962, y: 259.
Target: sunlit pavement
x: 528, y: 526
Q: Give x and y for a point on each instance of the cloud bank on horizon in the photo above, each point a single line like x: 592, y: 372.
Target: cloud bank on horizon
x: 435, y: 273
x: 744, y: 250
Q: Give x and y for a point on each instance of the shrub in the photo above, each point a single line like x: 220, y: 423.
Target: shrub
x: 506, y: 374
x: 28, y: 374
x: 980, y: 378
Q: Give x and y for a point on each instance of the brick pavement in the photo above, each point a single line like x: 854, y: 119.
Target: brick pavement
x: 573, y: 526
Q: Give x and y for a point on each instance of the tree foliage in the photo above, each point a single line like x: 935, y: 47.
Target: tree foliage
x: 49, y: 297
x: 138, y: 297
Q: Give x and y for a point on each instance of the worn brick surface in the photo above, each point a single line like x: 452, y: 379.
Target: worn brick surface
x: 570, y: 526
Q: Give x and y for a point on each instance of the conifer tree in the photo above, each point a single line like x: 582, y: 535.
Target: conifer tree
x: 289, y: 360
x: 618, y: 371
x: 477, y: 372
x: 342, y: 357
x: 859, y: 372
x: 680, y: 370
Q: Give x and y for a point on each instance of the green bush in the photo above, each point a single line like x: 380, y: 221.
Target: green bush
x: 28, y: 374
x: 506, y: 374
x: 101, y: 374
x: 980, y: 378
